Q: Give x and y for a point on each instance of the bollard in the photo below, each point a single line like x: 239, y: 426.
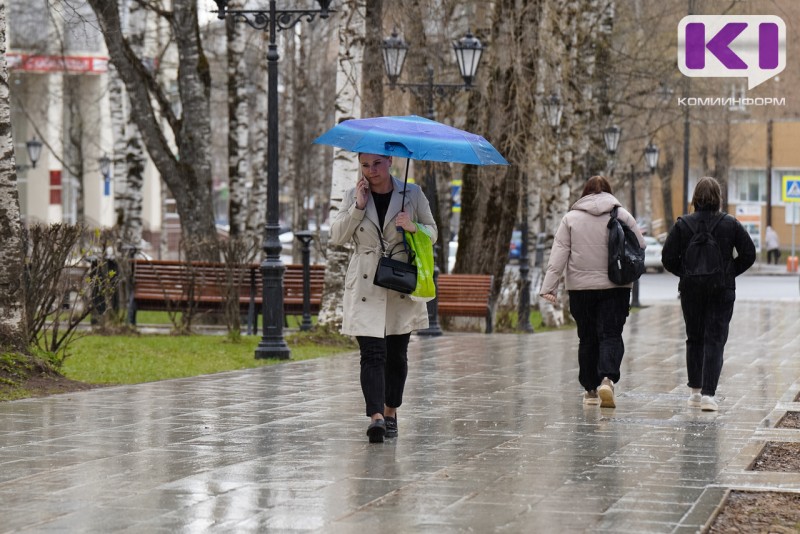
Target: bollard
x: 791, y: 264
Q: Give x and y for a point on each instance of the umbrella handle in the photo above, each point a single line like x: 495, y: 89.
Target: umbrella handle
x: 403, y: 205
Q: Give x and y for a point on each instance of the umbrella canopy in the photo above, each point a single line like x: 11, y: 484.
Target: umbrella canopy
x: 412, y: 137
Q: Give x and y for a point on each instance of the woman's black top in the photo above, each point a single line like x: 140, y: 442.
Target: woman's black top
x: 382, y: 205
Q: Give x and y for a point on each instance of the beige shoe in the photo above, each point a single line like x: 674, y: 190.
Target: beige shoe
x: 606, y: 393
x: 590, y: 398
x: 694, y: 398
x: 708, y: 404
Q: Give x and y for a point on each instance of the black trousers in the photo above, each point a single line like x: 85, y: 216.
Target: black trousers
x: 600, y: 315
x: 707, y: 318
x: 775, y: 252
x: 384, y: 367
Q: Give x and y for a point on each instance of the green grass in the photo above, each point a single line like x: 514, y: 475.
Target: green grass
x: 507, y: 321
x: 162, y: 318
x: 147, y: 358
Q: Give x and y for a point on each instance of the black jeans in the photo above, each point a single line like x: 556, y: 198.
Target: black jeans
x: 600, y: 315
x: 707, y: 318
x: 776, y: 252
x: 384, y: 367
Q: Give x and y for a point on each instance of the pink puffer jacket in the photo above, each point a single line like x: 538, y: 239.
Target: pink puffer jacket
x: 581, y: 245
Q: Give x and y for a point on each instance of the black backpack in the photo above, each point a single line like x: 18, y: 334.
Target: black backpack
x: 702, y: 263
x: 625, y: 256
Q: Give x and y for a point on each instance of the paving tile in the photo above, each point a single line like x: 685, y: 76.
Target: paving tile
x: 493, y: 438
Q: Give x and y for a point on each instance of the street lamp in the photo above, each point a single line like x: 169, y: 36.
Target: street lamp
x: 105, y: 170
x: 272, y: 344
x: 34, y: 149
x: 468, y: 52
x: 552, y: 113
x: 611, y: 137
x: 553, y: 110
x: 651, y: 158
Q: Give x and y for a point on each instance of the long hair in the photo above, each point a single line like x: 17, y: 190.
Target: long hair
x: 707, y: 195
x: 596, y: 184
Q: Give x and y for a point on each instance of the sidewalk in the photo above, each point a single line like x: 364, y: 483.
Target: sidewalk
x: 763, y: 268
x: 493, y: 438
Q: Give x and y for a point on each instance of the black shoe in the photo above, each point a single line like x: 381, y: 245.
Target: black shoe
x: 391, y: 427
x: 376, y: 431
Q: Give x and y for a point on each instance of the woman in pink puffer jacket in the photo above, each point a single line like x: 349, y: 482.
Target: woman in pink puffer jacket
x: 599, y: 306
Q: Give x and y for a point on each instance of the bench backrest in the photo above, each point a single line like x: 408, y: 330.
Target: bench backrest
x: 293, y: 283
x: 470, y: 290
x: 171, y: 279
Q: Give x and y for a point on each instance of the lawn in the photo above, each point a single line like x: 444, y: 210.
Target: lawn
x: 146, y: 358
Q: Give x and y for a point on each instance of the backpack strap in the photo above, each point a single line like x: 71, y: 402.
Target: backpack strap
x: 693, y: 228
x: 716, y: 222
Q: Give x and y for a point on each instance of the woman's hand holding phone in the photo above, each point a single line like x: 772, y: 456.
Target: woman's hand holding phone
x: 362, y: 193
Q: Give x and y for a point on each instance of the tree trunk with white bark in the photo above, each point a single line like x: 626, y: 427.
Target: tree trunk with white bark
x: 351, y: 18
x: 13, y: 335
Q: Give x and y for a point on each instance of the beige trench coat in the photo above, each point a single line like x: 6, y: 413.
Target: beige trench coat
x: 370, y: 310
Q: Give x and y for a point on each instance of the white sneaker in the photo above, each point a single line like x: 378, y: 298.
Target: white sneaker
x: 606, y: 393
x: 590, y: 398
x: 708, y: 404
x: 694, y: 400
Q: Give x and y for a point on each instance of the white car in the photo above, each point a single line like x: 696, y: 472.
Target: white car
x: 452, y: 249
x: 652, y: 254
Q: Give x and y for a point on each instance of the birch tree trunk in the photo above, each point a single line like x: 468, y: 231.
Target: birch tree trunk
x: 351, y: 17
x: 13, y: 336
x: 238, y: 127
x: 257, y: 202
x: 490, y: 195
x: 129, y: 159
x: 187, y: 173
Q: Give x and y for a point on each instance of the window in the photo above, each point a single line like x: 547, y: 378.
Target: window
x: 747, y: 185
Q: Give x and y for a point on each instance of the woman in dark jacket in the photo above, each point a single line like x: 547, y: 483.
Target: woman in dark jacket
x: 707, y: 311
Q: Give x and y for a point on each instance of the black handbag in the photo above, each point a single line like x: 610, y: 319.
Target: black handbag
x: 394, y: 274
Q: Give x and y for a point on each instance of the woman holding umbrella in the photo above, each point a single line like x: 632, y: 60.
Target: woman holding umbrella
x: 381, y: 319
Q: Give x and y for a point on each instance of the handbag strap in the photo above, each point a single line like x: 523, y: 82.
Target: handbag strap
x: 407, y: 249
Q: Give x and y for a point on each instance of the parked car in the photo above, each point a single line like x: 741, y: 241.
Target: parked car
x: 452, y: 249
x: 652, y: 254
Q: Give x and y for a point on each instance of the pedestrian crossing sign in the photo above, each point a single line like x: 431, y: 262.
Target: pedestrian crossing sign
x: 790, y: 191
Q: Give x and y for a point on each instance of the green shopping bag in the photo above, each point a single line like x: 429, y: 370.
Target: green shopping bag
x: 420, y: 243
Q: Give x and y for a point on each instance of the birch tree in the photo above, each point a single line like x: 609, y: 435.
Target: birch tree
x: 187, y: 168
x: 238, y: 130
x: 13, y: 336
x: 257, y: 201
x: 351, y: 18
x: 128, y: 157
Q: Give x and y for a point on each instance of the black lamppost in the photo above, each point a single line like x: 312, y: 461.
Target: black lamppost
x: 305, y: 237
x: 651, y: 158
x: 272, y: 20
x: 611, y: 137
x: 468, y: 51
x: 34, y: 149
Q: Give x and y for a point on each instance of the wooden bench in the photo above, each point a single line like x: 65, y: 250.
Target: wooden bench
x: 293, y: 288
x: 168, y: 285
x: 465, y: 295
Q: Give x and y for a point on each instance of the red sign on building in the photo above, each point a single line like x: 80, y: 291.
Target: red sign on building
x: 45, y: 63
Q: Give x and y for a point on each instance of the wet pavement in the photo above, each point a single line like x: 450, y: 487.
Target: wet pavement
x: 493, y: 438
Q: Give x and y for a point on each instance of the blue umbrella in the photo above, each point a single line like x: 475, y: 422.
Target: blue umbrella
x: 412, y: 137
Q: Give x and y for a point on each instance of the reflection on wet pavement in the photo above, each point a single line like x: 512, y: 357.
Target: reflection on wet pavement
x: 493, y: 437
